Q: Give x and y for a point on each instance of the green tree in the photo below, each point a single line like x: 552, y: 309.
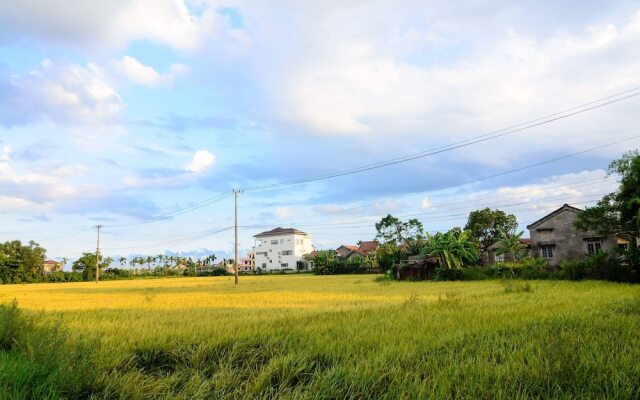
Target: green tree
x: 21, y: 263
x: 86, y: 265
x: 325, y: 262
x: 619, y: 212
x: 484, y: 226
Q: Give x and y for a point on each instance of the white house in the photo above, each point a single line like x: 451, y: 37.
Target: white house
x: 281, y: 248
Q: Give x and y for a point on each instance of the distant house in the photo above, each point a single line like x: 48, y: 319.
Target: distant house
x: 246, y: 264
x: 555, y: 238
x: 50, y: 266
x: 363, y: 250
x: 281, y: 248
x: 345, y: 250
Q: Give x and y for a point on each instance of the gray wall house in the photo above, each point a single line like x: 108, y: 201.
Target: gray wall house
x: 555, y: 238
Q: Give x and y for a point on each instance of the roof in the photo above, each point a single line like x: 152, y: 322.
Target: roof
x: 349, y: 247
x: 280, y: 231
x: 547, y: 217
x: 368, y: 246
x: 52, y: 262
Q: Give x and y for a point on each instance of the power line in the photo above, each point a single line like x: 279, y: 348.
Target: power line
x: 468, y: 142
x: 190, y: 237
x: 196, y: 206
x: 503, y: 173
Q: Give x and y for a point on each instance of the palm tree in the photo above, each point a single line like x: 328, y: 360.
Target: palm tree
x: 511, y: 244
x: 452, y: 249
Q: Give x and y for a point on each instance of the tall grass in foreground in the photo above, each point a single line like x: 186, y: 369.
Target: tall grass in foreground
x: 321, y: 337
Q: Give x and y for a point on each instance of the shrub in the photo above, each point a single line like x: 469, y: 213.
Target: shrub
x: 474, y: 274
x: 575, y: 270
x: 448, y: 274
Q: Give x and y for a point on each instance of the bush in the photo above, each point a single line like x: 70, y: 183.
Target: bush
x: 575, y: 270
x: 448, y: 274
x: 474, y: 274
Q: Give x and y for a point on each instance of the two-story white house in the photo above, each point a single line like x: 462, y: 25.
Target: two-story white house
x: 281, y: 248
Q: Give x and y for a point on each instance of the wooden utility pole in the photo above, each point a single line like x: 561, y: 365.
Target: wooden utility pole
x: 235, y: 201
x: 98, y: 227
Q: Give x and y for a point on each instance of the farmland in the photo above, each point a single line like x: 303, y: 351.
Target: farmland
x: 303, y: 336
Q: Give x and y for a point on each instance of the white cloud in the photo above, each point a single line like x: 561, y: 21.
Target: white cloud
x: 32, y: 184
x: 112, y: 23
x: 142, y: 74
x: 6, y: 153
x: 284, y: 212
x: 202, y: 160
x: 61, y: 93
x: 365, y: 79
x: 426, y: 203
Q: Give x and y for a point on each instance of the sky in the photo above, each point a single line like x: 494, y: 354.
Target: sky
x: 143, y: 115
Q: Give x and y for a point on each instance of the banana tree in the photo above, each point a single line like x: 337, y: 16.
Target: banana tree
x: 452, y: 249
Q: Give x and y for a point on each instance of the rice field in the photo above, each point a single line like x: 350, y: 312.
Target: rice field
x: 302, y: 336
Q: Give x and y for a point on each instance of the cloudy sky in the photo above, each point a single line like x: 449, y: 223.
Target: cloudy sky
x: 142, y: 115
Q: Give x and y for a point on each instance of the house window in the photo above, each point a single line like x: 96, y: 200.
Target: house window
x: 284, y: 265
x: 547, y: 251
x: 264, y: 265
x: 594, y: 246
x: 287, y: 252
x: 274, y: 241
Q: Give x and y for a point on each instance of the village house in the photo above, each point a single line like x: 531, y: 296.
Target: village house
x: 50, y: 266
x: 555, y: 238
x: 363, y: 250
x: 281, y: 248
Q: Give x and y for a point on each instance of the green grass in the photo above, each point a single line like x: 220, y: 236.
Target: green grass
x: 321, y: 337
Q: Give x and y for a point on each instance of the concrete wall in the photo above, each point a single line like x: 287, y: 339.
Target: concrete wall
x: 569, y: 242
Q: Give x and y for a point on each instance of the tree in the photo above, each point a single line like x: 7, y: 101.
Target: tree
x: 21, y: 263
x: 392, y: 229
x: 619, y: 212
x: 484, y: 226
x: 452, y: 249
x: 398, y: 239
x: 325, y: 262
x: 86, y: 264
x: 510, y: 244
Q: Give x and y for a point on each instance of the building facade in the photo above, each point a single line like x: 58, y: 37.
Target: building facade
x: 50, y: 266
x: 555, y: 238
x: 281, y: 248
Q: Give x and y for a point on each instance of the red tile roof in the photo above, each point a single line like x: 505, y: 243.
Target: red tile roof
x: 368, y: 246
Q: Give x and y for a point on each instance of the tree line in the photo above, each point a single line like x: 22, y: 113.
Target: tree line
x: 24, y: 263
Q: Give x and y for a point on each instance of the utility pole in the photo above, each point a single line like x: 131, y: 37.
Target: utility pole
x: 98, y: 227
x: 235, y: 201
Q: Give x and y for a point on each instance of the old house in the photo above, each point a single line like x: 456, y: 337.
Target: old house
x: 555, y: 237
x: 50, y: 266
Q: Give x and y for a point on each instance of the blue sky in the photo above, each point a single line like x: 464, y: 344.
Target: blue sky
x: 117, y: 112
